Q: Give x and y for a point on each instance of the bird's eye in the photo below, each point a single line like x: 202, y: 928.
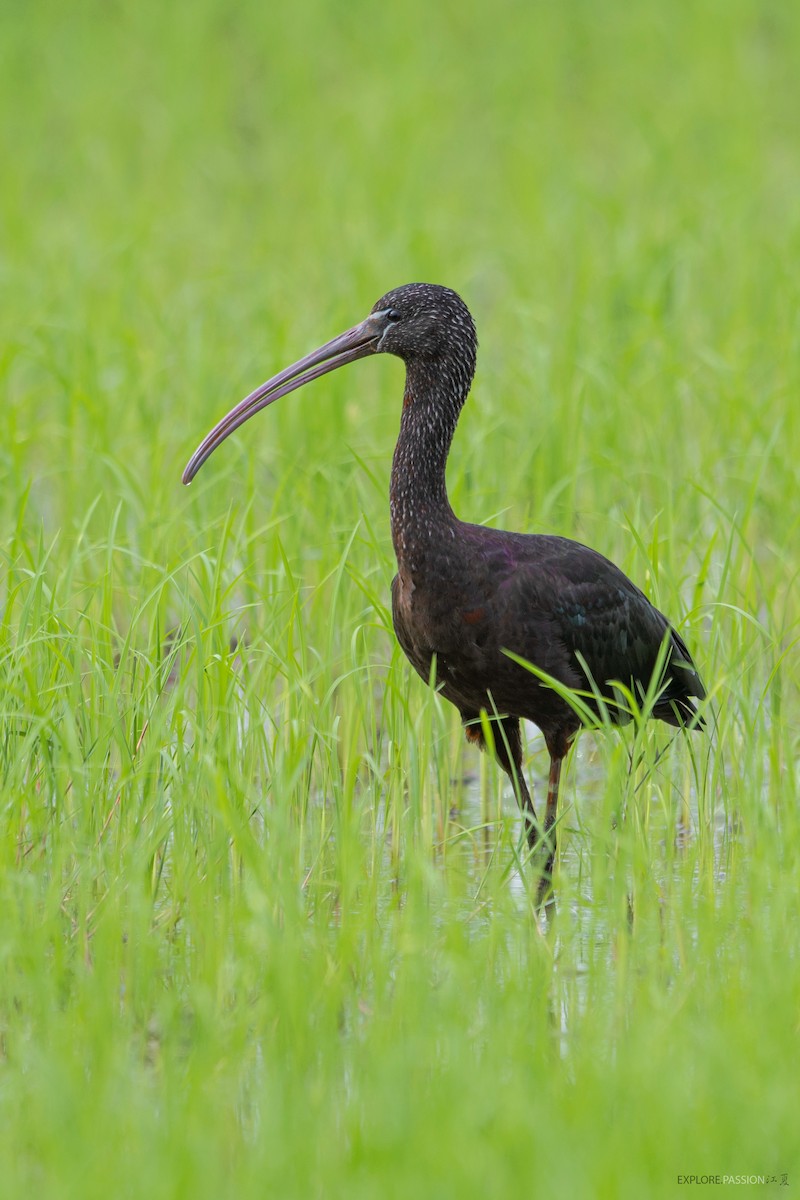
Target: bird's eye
x: 392, y: 314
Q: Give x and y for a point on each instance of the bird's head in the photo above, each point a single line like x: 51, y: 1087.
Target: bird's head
x: 428, y: 326
x: 425, y: 322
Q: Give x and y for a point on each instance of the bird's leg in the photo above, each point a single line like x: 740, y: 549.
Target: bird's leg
x: 525, y: 802
x: 550, y: 836
x: 558, y: 747
x: 508, y: 752
x: 552, y: 794
x: 510, y: 729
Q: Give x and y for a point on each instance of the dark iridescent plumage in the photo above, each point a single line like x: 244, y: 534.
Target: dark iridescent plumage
x: 465, y: 595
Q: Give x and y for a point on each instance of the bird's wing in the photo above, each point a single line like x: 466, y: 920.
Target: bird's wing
x: 561, y: 589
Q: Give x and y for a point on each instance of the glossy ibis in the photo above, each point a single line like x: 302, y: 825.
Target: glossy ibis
x: 465, y: 595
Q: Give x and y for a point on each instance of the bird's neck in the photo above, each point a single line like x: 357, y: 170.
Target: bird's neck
x: 420, y: 510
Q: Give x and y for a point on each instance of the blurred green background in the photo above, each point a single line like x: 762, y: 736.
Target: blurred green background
x: 263, y: 929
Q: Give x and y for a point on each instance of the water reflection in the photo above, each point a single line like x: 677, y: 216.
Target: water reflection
x: 632, y: 843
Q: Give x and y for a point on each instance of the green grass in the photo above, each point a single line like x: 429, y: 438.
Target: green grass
x: 263, y: 928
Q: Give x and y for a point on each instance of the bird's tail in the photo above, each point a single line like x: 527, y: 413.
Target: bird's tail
x: 679, y: 711
x: 677, y: 705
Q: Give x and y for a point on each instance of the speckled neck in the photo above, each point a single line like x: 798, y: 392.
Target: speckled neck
x: 420, y: 510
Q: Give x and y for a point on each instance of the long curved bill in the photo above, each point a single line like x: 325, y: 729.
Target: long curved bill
x: 355, y: 343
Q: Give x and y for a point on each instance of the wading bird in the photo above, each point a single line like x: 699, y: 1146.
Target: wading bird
x: 466, y: 598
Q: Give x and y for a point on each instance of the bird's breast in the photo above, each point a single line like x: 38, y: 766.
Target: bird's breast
x: 440, y: 620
